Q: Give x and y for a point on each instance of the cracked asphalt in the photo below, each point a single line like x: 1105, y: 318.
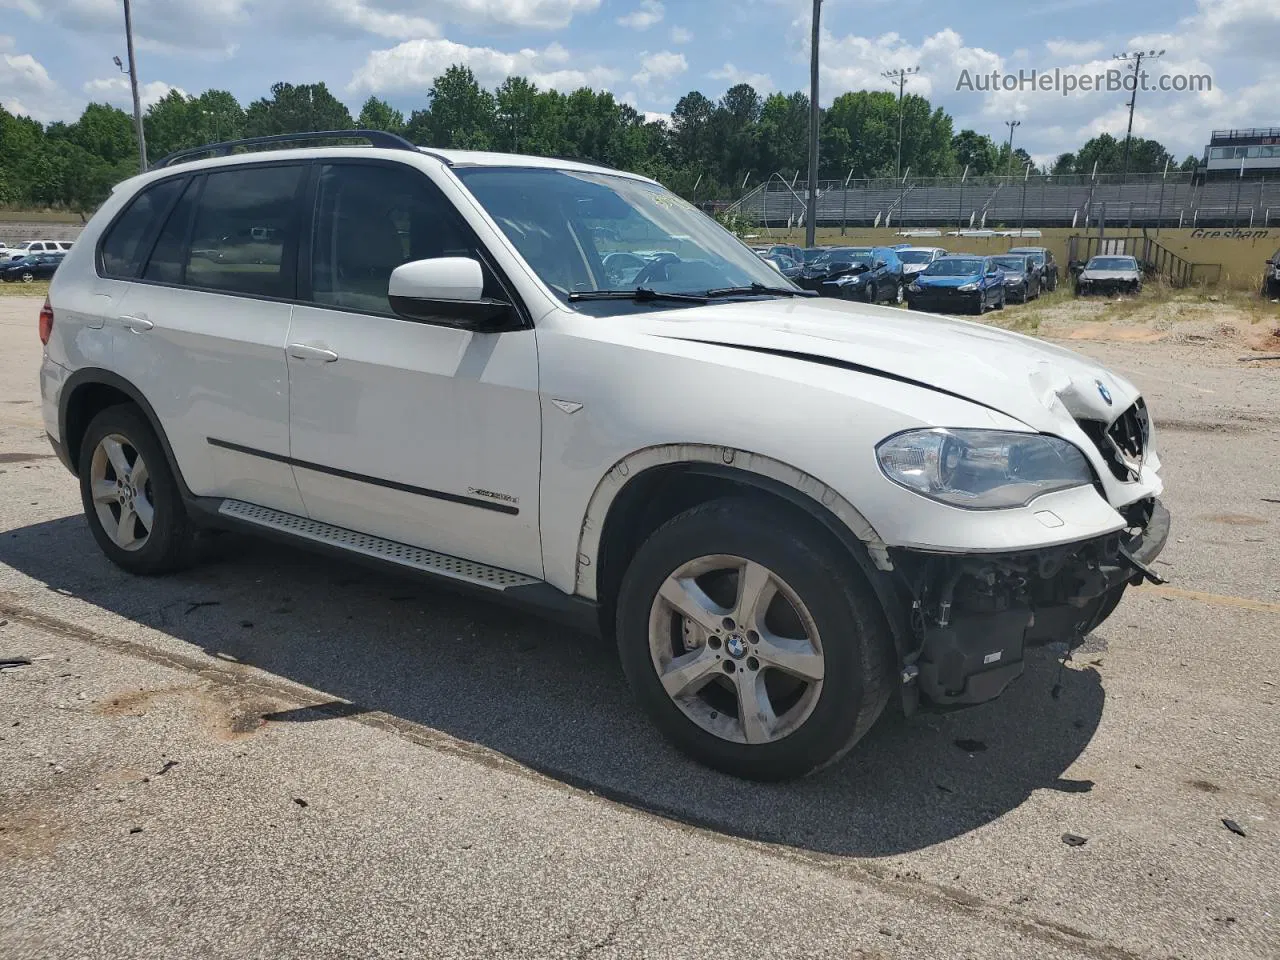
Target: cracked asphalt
x: 276, y: 755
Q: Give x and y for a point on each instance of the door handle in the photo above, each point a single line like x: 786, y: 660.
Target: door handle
x: 304, y: 351
x: 137, y: 324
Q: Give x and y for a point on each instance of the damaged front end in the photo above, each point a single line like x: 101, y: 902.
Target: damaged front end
x: 973, y: 616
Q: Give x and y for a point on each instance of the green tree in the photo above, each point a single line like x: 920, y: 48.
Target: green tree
x: 377, y: 114
x: 975, y: 151
x: 461, y: 115
x: 296, y: 109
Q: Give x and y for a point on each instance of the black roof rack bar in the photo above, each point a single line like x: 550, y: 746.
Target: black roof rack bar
x: 376, y: 138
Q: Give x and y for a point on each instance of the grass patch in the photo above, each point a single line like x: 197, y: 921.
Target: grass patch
x: 37, y: 289
x: 39, y: 216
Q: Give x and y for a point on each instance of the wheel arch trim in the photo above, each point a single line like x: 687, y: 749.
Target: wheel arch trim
x: 95, y: 376
x: 763, y: 472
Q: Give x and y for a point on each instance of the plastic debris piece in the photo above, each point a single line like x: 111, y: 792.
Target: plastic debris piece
x: 1234, y: 827
x: 1074, y: 840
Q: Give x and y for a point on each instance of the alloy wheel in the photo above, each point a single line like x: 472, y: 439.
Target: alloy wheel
x: 736, y: 649
x: 122, y: 495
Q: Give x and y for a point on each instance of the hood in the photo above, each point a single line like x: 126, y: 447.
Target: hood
x: 910, y: 268
x: 1042, y: 385
x: 946, y: 282
x: 1109, y: 275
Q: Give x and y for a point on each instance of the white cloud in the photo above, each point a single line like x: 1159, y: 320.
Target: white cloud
x: 732, y: 76
x: 414, y: 64
x: 644, y: 16
x: 383, y: 23
x: 651, y: 116
x: 116, y: 90
x: 26, y: 87
x: 681, y: 35
x: 660, y: 66
x: 1074, y: 50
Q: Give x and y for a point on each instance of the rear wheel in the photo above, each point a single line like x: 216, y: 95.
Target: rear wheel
x: 131, y: 498
x: 751, y: 642
x: 28, y: 277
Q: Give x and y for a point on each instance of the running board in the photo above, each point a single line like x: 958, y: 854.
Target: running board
x: 400, y: 554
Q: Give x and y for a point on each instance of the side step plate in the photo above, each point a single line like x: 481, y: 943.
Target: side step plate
x: 415, y: 558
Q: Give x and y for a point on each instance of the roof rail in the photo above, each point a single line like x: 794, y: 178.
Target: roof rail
x: 376, y: 138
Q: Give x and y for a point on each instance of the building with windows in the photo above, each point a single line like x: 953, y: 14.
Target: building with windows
x: 1253, y: 152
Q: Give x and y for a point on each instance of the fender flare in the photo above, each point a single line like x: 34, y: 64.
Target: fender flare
x: 87, y: 376
x: 772, y: 475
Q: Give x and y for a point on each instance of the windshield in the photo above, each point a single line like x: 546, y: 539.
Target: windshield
x: 585, y: 231
x: 815, y: 253
x: 1037, y: 257
x: 1011, y: 263
x: 1112, y: 263
x: 915, y: 256
x: 947, y: 267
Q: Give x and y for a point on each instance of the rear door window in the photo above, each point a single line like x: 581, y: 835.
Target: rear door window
x: 169, y: 256
x: 124, y: 247
x: 245, y: 236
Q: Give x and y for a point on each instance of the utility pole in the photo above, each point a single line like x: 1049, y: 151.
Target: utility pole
x: 899, y: 76
x: 815, y: 115
x: 1136, y: 59
x: 133, y: 80
x: 1012, y: 125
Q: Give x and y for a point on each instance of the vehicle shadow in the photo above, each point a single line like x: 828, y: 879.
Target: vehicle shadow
x: 557, y: 702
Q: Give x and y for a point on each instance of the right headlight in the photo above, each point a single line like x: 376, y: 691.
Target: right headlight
x: 968, y: 288
x: 982, y: 469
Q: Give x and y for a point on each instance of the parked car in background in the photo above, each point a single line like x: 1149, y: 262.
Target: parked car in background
x: 870, y: 274
x: 1021, y: 276
x: 37, y: 266
x: 915, y: 259
x: 786, y: 266
x: 1043, y: 258
x: 28, y: 247
x: 1271, y: 276
x: 789, y: 250
x: 812, y: 254
x: 1109, y: 274
x: 958, y: 284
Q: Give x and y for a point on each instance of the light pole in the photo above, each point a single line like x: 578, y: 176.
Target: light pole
x: 899, y: 76
x: 1136, y: 59
x: 815, y: 115
x: 1012, y: 125
x: 133, y: 81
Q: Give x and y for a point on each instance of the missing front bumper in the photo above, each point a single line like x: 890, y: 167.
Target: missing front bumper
x: 973, y: 617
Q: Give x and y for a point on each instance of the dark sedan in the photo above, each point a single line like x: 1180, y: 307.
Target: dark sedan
x: 1042, y: 257
x: 870, y: 274
x: 38, y: 266
x: 1021, y: 277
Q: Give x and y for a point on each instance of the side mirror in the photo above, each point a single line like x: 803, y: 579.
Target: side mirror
x: 880, y: 264
x: 448, y: 291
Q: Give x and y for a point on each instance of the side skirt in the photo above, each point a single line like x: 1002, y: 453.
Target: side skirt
x: 466, y: 576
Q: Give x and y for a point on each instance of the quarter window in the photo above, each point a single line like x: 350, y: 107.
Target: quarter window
x: 123, y: 246
x: 169, y: 256
x: 245, y: 235
x: 369, y: 219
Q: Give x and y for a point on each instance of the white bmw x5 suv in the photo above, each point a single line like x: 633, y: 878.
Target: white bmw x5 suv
x: 563, y: 386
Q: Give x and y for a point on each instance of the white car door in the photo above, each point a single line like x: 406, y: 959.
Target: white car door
x: 201, y: 330
x: 414, y: 431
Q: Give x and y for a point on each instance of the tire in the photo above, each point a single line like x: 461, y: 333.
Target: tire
x: 900, y: 297
x: 871, y: 292
x: 815, y: 721
x: 167, y: 545
x: 1000, y: 300
x: 28, y: 277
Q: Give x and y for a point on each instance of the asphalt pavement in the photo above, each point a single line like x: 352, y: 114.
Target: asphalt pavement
x: 279, y: 755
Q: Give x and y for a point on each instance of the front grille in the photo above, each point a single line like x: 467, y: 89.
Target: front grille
x: 1123, y: 444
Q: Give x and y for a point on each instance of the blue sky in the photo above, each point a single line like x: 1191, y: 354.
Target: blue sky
x: 55, y: 55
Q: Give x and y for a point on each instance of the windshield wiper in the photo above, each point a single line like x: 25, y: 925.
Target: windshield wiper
x: 639, y: 295
x: 759, y: 288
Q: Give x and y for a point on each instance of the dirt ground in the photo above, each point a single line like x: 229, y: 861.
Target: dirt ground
x: 280, y: 756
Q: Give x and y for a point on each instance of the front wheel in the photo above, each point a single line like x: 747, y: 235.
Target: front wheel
x: 131, y: 498
x: 901, y: 295
x: 871, y: 293
x: 750, y: 641
x: 28, y: 277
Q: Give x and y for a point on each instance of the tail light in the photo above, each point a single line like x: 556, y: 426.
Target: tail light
x: 46, y: 322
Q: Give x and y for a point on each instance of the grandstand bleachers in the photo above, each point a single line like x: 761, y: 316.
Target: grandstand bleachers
x: 1010, y: 202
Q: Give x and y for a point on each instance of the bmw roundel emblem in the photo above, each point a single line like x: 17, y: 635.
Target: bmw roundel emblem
x: 1104, y: 392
